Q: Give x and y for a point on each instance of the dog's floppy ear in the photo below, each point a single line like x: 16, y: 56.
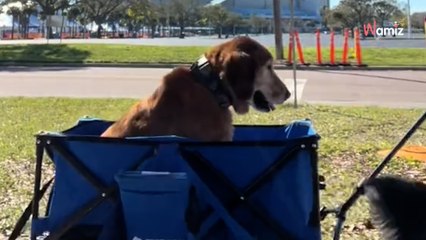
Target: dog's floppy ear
x: 239, y: 72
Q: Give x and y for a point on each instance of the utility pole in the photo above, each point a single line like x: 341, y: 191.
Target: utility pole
x: 294, y: 51
x: 409, y: 19
x: 277, y: 30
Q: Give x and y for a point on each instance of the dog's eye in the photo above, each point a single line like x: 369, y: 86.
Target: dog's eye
x: 269, y: 67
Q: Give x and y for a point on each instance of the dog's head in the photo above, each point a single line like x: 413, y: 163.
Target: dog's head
x: 247, y: 68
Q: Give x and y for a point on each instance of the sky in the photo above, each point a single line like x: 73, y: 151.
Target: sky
x: 415, y: 5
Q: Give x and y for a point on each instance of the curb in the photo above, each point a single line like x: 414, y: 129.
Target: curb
x: 174, y: 65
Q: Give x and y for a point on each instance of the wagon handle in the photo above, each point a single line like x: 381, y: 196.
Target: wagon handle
x: 359, y: 190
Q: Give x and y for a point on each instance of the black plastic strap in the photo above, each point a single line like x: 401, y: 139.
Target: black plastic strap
x: 27, y: 213
x: 83, y: 211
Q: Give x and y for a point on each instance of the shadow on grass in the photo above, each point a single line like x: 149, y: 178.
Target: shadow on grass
x: 42, y: 53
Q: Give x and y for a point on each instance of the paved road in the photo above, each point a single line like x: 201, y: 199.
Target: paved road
x: 382, y: 88
x: 307, y: 40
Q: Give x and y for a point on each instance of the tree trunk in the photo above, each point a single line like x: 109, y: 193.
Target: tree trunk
x: 219, y: 35
x: 19, y: 26
x: 13, y: 26
x: 43, y: 29
x: 24, y: 30
x: 152, y: 31
x: 182, y: 29
x: 23, y: 27
x: 72, y: 30
x: 99, y: 34
x: 84, y: 32
x: 49, y: 32
x: 27, y: 27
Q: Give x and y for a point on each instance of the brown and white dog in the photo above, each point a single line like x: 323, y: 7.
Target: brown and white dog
x: 194, y: 103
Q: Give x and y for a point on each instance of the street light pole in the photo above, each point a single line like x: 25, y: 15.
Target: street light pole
x: 277, y: 30
x: 409, y: 19
x: 294, y: 51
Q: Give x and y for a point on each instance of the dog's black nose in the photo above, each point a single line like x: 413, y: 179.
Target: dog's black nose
x: 287, y: 95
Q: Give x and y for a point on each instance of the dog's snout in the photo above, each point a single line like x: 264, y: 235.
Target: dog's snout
x: 280, y: 95
x: 287, y: 95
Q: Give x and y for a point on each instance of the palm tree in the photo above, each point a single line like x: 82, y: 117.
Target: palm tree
x: 186, y: 12
x: 98, y: 11
x: 114, y: 18
x: 259, y: 24
x: 218, y: 16
x: 235, y: 21
x: 15, y: 12
x: 325, y: 15
x: 72, y: 16
x: 50, y: 7
x: 28, y: 8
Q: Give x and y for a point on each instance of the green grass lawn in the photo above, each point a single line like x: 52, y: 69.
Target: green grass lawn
x: 103, y: 53
x: 350, y: 139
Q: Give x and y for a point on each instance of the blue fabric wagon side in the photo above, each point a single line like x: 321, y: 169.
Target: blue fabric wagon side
x: 262, y: 185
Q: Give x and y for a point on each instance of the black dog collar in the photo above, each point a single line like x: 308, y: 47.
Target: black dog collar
x: 204, y: 74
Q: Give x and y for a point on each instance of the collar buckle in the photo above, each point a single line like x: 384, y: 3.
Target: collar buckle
x: 204, y: 75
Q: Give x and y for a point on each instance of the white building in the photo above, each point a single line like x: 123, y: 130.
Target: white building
x: 303, y: 9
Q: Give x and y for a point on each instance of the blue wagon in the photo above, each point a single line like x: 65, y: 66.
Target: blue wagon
x: 262, y: 185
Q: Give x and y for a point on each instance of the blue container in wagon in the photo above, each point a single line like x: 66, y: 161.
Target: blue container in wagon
x: 154, y: 204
